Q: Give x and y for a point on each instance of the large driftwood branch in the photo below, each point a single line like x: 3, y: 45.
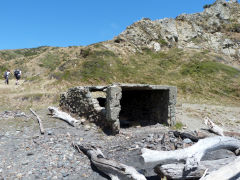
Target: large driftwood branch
x: 213, y: 127
x: 39, y: 121
x: 115, y: 170
x: 62, y: 115
x: 191, y: 155
x: 229, y: 171
x: 176, y: 171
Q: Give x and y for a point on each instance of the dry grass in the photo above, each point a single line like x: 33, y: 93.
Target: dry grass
x: 49, y: 71
x: 26, y: 95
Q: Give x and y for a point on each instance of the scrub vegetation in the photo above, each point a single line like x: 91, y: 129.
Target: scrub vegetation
x: 199, y: 75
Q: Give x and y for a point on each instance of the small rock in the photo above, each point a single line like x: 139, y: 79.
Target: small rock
x: 87, y: 128
x: 237, y: 152
x: 178, y: 145
x: 55, y: 177
x: 19, y: 175
x: 140, y: 144
x: 60, y: 164
x: 151, y: 146
x: 187, y: 141
x: 173, y: 140
x: 20, y: 114
x: 30, y: 153
x: 25, y: 163
x: 83, y: 121
x: 65, y: 174
x: 50, y: 133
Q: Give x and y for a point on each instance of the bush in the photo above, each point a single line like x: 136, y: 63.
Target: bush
x: 178, y: 126
x: 85, y: 52
x: 208, y: 68
x: 97, y: 69
x: 235, y: 27
x: 50, y: 61
x: 8, y: 55
x: 163, y: 42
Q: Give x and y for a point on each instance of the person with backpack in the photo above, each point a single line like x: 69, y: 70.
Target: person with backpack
x: 17, y: 74
x: 6, y: 76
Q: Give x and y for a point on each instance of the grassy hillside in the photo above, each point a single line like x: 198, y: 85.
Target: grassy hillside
x: 199, y: 75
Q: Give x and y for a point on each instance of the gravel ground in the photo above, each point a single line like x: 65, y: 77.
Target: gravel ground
x: 26, y: 154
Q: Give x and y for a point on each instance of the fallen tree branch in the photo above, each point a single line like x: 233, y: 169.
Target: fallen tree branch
x: 213, y: 127
x: 62, y: 115
x: 39, y: 121
x: 191, y: 155
x: 229, y: 171
x: 176, y: 171
x: 115, y: 170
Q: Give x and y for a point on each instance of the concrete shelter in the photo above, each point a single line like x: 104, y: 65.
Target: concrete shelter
x: 122, y: 105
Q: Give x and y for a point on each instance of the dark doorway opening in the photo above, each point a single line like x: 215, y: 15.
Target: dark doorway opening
x: 143, y: 107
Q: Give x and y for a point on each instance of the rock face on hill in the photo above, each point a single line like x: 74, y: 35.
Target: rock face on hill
x: 217, y: 29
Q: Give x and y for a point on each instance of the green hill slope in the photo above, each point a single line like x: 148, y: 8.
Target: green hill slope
x: 199, y: 75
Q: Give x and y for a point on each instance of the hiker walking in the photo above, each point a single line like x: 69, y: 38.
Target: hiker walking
x: 17, y: 74
x: 6, y: 76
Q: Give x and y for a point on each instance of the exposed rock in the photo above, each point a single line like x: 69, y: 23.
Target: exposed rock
x: 205, y: 30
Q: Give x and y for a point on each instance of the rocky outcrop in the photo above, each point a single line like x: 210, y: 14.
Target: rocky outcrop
x: 214, y: 29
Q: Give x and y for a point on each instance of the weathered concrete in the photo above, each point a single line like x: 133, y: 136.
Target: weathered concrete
x: 113, y: 107
x: 122, y: 105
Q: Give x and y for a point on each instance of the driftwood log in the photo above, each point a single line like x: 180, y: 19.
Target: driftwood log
x: 230, y: 171
x: 62, y: 115
x: 190, y: 155
x: 218, y: 130
x: 176, y: 171
x: 39, y: 121
x: 213, y: 127
x: 115, y: 170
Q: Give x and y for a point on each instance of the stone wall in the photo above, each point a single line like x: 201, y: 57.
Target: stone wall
x: 80, y: 101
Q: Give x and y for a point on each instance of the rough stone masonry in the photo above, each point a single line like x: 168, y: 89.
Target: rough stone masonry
x: 122, y: 105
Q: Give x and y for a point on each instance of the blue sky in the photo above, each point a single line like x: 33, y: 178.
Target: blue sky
x: 33, y: 23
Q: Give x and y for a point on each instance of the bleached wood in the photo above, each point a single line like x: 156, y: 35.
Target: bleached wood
x: 229, y: 171
x: 115, y: 170
x: 62, y: 115
x: 191, y: 155
x: 213, y: 127
x: 176, y: 171
x: 39, y: 121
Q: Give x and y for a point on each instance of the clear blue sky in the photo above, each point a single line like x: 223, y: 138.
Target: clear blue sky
x: 33, y: 23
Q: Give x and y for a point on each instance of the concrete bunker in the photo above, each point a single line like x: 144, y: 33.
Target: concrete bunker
x: 122, y: 105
